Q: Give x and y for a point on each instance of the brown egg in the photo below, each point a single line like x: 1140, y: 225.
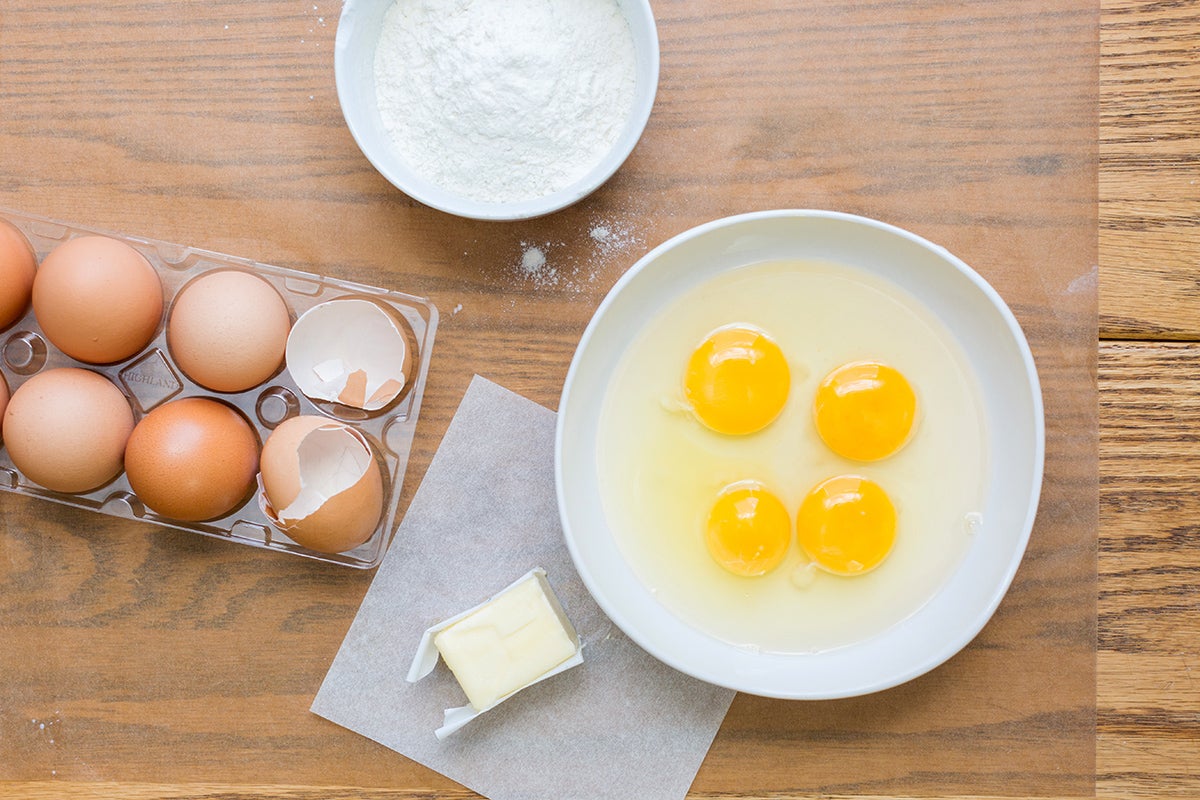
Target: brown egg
x: 18, y: 266
x: 97, y: 299
x: 66, y: 429
x: 3, y: 403
x: 321, y: 484
x: 192, y: 459
x: 228, y: 330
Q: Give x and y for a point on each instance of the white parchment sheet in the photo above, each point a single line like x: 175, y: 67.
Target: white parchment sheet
x: 620, y: 725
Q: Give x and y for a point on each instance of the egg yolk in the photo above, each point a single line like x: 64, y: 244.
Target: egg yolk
x: 737, y: 380
x: 748, y: 529
x: 865, y: 410
x: 847, y: 525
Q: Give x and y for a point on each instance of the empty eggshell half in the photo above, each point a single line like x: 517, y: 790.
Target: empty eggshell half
x: 349, y: 351
x: 321, y: 484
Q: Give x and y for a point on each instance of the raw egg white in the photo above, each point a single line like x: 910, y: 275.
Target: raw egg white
x: 799, y: 528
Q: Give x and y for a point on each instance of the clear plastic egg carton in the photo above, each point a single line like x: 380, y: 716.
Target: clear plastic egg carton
x: 151, y: 378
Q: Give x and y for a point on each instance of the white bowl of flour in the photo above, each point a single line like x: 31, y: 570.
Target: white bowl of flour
x: 496, y: 109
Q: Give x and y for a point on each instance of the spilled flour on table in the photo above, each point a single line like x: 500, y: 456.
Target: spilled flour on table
x: 614, y: 237
x: 566, y: 266
x: 47, y: 727
x: 318, y: 19
x: 533, y: 265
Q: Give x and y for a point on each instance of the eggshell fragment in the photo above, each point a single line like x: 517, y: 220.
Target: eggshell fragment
x: 349, y: 351
x: 66, y: 429
x: 18, y: 267
x: 321, y: 484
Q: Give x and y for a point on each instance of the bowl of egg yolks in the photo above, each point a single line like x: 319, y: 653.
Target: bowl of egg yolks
x: 799, y: 453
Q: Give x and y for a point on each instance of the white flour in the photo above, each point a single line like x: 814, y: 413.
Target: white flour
x: 504, y: 100
x: 575, y: 265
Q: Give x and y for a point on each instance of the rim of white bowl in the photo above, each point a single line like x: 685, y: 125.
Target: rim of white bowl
x: 953, y: 644
x: 360, y: 113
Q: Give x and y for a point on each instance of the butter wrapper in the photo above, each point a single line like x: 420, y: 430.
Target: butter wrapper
x: 427, y: 653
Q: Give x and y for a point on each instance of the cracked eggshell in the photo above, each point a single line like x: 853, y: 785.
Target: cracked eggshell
x: 350, y: 351
x: 321, y: 484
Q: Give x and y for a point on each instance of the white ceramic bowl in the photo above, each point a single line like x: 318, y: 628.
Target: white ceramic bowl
x: 354, y: 69
x: 1001, y: 359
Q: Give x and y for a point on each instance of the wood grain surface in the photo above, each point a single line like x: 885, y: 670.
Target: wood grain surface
x: 140, y: 663
x: 1150, y: 170
x: 1148, y: 693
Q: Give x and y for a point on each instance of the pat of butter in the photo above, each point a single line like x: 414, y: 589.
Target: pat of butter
x: 505, y: 644
x: 515, y: 639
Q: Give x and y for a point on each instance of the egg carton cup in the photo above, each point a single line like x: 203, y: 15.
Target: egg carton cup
x: 151, y: 378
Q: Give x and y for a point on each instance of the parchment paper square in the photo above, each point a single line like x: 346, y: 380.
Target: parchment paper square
x: 620, y: 725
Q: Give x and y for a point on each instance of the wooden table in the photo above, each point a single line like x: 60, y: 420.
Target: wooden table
x: 216, y: 125
x: 1148, y: 742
